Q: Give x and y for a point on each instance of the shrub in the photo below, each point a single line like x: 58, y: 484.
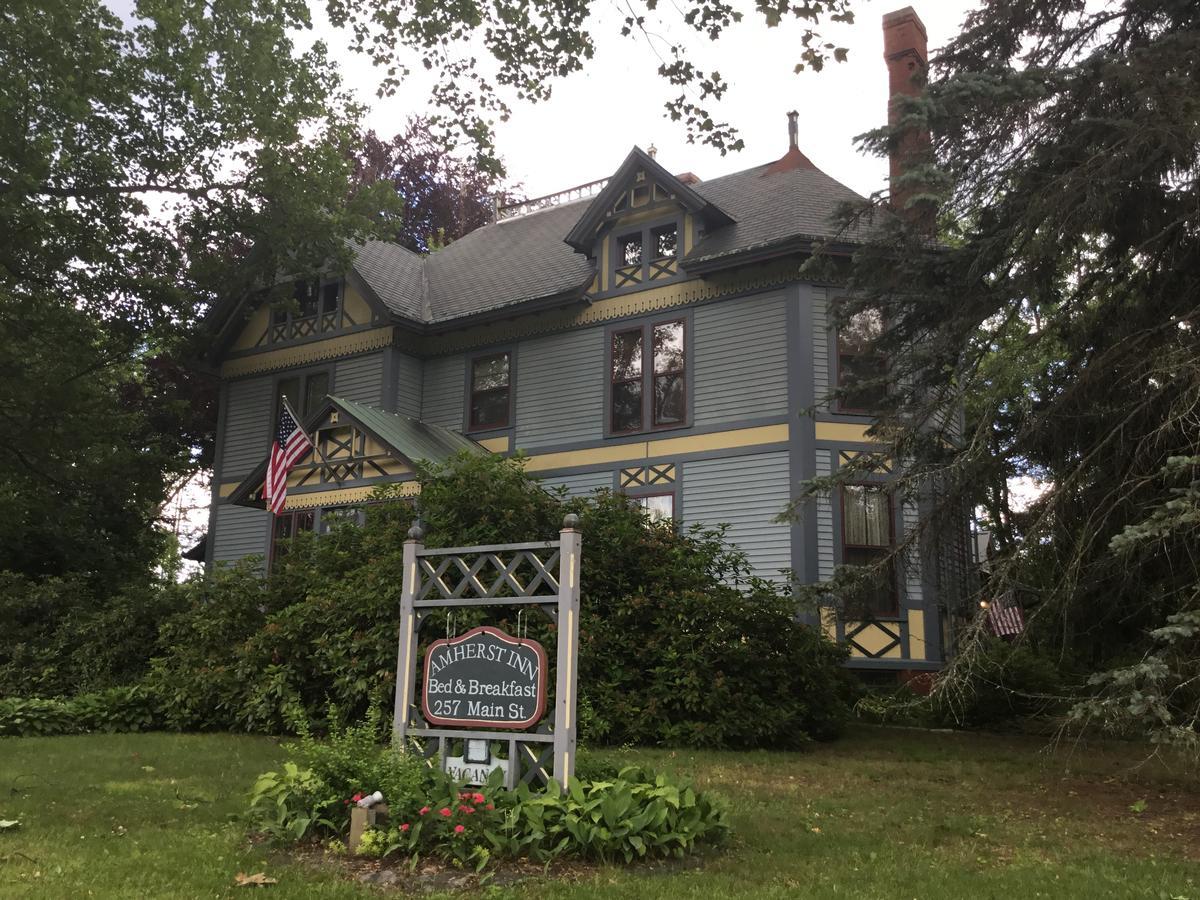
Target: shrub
x: 352, y: 761
x: 1003, y: 682
x: 114, y: 710
x: 678, y: 644
x: 61, y: 636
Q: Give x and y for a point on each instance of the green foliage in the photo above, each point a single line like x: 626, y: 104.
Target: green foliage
x: 635, y: 815
x: 631, y: 815
x: 351, y: 761
x: 1004, y: 681
x: 678, y: 644
x: 1043, y: 281
x: 114, y: 710
x: 63, y: 636
x: 288, y: 806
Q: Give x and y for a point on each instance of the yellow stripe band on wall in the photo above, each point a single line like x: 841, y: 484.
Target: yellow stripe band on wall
x: 342, y: 345
x: 843, y: 431
x: 698, y: 443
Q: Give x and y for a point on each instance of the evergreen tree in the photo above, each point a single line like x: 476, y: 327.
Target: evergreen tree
x: 1057, y: 306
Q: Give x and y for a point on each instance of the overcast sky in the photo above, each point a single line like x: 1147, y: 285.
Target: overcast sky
x: 596, y: 116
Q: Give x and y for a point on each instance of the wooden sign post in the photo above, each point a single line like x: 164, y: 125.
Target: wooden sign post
x: 486, y: 686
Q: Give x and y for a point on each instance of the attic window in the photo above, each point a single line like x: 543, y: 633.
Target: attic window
x: 647, y: 255
x: 664, y: 240
x: 314, y: 308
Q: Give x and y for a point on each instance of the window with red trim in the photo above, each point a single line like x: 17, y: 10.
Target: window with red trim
x: 490, y: 391
x: 287, y: 526
x: 648, y: 377
x: 867, y: 540
x: 861, y: 367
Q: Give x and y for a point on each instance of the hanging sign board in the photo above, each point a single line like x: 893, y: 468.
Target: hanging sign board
x: 484, y: 679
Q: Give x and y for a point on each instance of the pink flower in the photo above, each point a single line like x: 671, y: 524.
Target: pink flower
x: 468, y: 810
x: 356, y: 797
x: 405, y: 827
x: 445, y: 811
x: 478, y: 798
x: 459, y: 829
x: 424, y: 809
x: 491, y: 806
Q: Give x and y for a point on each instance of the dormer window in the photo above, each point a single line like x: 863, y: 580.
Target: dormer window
x: 651, y: 254
x: 314, y: 309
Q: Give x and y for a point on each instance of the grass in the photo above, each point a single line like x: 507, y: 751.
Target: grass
x: 883, y: 813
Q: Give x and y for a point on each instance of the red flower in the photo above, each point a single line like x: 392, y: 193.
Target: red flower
x: 459, y: 829
x: 424, y: 809
x: 468, y: 810
x: 478, y: 798
x: 356, y: 797
x: 445, y: 811
x: 405, y: 827
x: 491, y: 806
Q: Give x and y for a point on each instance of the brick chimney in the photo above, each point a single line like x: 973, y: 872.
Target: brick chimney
x: 906, y: 50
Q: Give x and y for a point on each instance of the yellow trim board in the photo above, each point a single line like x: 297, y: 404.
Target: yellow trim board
x: 227, y: 488
x: 285, y: 357
x: 698, y: 443
x: 843, y: 431
x: 916, y: 634
x: 348, y: 495
x: 496, y: 444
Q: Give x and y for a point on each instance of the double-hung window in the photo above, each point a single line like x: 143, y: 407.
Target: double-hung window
x: 861, y: 367
x: 303, y: 391
x: 648, y: 377
x: 490, y: 391
x: 867, y: 540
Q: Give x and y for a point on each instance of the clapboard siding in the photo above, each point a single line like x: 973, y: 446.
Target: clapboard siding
x: 580, y: 485
x: 408, y: 385
x: 825, y: 538
x: 746, y: 493
x: 740, y: 358
x: 442, y: 399
x: 247, y: 436
x: 821, y: 361
x: 560, y: 388
x: 240, y: 531
x: 360, y: 378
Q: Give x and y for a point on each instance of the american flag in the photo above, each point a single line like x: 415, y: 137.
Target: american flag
x: 291, y: 443
x: 1005, y: 617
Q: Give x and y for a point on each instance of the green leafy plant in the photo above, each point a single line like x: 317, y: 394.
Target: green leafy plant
x: 289, y: 805
x: 114, y: 710
x: 636, y: 815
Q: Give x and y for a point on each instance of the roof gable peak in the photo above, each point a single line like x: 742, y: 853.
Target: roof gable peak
x: 639, y: 168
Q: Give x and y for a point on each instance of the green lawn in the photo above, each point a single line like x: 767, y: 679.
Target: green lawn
x: 882, y: 813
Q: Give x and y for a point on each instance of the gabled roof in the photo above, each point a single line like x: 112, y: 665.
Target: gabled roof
x: 583, y: 235
x: 406, y: 438
x: 541, y: 260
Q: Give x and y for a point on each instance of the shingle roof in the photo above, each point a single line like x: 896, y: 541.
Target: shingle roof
x: 526, y: 258
x: 772, y: 208
x: 507, y: 263
x: 396, y: 275
x: 410, y: 437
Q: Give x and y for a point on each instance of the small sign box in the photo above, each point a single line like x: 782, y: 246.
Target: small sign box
x: 484, y: 679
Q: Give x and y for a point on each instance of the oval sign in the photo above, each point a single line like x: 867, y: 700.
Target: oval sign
x: 484, y: 678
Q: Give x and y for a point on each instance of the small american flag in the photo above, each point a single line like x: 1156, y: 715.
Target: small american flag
x: 291, y: 443
x: 1005, y: 617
